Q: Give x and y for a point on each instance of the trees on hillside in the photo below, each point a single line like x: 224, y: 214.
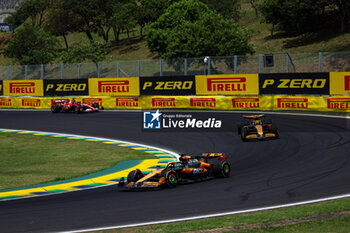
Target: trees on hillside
x: 61, y: 22
x: 299, y: 16
x: 85, y: 52
x: 342, y: 12
x: 32, y: 45
x: 191, y: 29
x: 148, y: 11
x: 228, y: 9
x: 177, y: 28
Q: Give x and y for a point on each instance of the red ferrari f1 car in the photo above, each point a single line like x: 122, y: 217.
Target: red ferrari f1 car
x: 188, y: 169
x: 73, y: 106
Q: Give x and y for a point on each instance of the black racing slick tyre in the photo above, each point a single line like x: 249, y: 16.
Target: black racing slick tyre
x: 275, y: 131
x: 95, y: 105
x: 77, y: 109
x: 239, y: 129
x: 244, y: 133
x: 134, y: 175
x: 222, y: 169
x: 55, y: 108
x: 121, y: 182
x: 171, y: 179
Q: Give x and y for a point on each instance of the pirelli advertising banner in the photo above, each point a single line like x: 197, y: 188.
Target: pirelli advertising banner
x: 341, y: 103
x: 339, y: 83
x: 267, y: 103
x: 66, y: 87
x: 23, y: 88
x: 114, y: 86
x: 294, y: 83
x: 174, y: 86
x: 230, y: 84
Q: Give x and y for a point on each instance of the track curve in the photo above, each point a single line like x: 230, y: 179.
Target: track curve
x: 310, y: 161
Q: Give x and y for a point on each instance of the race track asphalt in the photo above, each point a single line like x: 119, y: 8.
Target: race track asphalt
x: 309, y: 161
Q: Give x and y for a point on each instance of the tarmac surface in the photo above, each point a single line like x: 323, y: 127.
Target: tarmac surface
x: 309, y: 161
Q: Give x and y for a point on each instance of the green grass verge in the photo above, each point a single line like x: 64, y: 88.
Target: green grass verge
x: 223, y: 224
x: 29, y: 160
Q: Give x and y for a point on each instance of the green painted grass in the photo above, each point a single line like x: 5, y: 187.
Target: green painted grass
x: 29, y: 160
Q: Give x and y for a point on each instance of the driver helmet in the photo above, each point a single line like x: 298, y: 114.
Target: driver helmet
x: 185, y: 159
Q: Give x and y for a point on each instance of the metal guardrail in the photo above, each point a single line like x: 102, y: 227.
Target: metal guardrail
x: 262, y: 63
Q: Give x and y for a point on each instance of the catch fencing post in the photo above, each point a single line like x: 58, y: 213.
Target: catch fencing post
x: 62, y: 71
x: 79, y: 70
x: 161, y: 67
x: 235, y: 64
x: 139, y: 68
x: 98, y: 70
x: 288, y: 63
x: 9, y: 72
x: 42, y: 71
x: 25, y: 72
x: 185, y: 66
x: 260, y: 63
x: 118, y: 69
x: 209, y: 68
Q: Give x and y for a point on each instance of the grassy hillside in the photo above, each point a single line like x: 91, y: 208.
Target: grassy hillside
x: 330, y: 40
x: 135, y: 49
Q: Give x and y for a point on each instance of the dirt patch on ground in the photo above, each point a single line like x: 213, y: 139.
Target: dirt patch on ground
x: 4, y: 38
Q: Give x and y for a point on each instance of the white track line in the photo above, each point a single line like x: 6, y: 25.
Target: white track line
x: 211, y: 215
x: 224, y: 213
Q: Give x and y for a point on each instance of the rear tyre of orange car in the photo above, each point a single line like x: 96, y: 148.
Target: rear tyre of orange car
x: 244, y: 133
x: 134, y: 175
x: 239, y: 129
x: 275, y: 131
x: 171, y: 179
x: 222, y: 169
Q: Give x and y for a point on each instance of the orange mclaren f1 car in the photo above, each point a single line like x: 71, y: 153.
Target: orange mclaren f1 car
x: 256, y: 127
x: 188, y: 169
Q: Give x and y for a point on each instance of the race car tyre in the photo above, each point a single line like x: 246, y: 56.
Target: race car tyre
x: 275, y: 131
x: 121, y: 182
x: 239, y: 129
x: 222, y: 169
x: 171, y: 179
x: 134, y: 175
x: 77, y: 109
x: 95, y: 105
x: 244, y: 133
x: 55, y: 108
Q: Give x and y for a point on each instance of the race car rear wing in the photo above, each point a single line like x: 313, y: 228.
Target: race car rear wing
x: 254, y: 116
x: 211, y: 154
x: 214, y: 155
